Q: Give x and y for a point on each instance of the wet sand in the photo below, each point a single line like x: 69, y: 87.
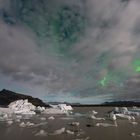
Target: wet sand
x: 85, y: 131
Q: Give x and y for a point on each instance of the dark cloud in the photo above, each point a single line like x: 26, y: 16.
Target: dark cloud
x: 106, y: 47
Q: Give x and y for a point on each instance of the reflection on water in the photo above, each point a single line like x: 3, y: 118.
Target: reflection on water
x: 62, y: 128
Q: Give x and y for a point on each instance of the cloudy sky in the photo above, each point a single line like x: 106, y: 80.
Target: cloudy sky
x: 85, y: 51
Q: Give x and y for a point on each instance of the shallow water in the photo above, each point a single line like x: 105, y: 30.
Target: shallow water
x: 85, y: 131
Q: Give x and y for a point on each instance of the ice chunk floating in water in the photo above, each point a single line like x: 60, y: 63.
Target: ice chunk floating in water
x: 22, y: 107
x: 58, y: 109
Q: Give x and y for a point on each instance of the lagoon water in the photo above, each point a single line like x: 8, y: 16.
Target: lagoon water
x: 44, y: 128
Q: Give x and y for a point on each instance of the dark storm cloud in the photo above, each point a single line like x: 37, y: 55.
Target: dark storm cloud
x: 110, y: 43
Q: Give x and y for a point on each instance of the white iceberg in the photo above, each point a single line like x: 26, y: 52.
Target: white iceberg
x: 39, y: 124
x: 95, y: 118
x: 75, y: 123
x: 5, y: 111
x: 22, y: 107
x: 63, y: 107
x: 124, y: 113
x: 51, y: 118
x: 134, y: 111
x: 41, y: 133
x: 93, y: 112
x: 52, y: 111
x: 70, y: 132
x: 40, y: 109
x: 27, y: 124
x: 92, y: 115
x: 59, y: 131
x: 22, y: 124
x: 113, y: 116
x: 58, y: 109
x: 123, y: 116
x: 9, y: 122
x: 133, y: 134
x: 43, y: 119
x: 87, y: 138
x: 106, y: 124
x: 134, y: 123
x: 67, y: 118
x: 17, y: 120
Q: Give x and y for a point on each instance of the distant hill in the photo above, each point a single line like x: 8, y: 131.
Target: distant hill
x: 67, y: 103
x: 7, y: 96
x: 106, y: 104
x: 122, y: 103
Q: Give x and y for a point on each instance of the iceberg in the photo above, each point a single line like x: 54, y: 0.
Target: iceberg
x: 70, y: 132
x: 40, y: 109
x: 9, y: 122
x: 95, y: 118
x: 59, y: 131
x: 58, y: 109
x: 28, y: 124
x: 62, y: 107
x: 134, y: 111
x: 22, y: 107
x: 5, y: 111
x: 41, y: 133
x: 113, y: 116
x: 53, y: 111
x: 65, y: 107
x: 93, y: 114
x: 124, y: 113
x: 134, y: 123
x: 74, y: 124
x: 43, y: 119
x: 51, y: 118
x: 124, y: 116
x: 87, y: 138
x: 106, y: 124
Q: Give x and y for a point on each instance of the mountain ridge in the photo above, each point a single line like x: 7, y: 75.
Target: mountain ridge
x: 7, y: 96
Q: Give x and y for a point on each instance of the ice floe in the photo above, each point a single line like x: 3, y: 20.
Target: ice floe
x: 93, y: 112
x: 51, y: 118
x: 87, y: 138
x: 133, y: 134
x: 74, y: 124
x: 5, y: 111
x: 134, y: 123
x: 67, y: 118
x: 22, y: 107
x: 105, y: 124
x: 39, y: 124
x: 27, y: 124
x: 70, y: 132
x: 59, y: 131
x: 123, y: 116
x: 41, y: 133
x: 53, y: 111
x: 92, y: 115
x: 63, y: 108
x: 113, y: 116
x: 95, y: 118
x: 58, y: 109
x: 40, y: 109
x: 124, y: 113
x: 43, y: 119
x: 9, y: 122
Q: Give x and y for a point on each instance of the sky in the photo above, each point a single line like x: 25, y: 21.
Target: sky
x: 85, y: 51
